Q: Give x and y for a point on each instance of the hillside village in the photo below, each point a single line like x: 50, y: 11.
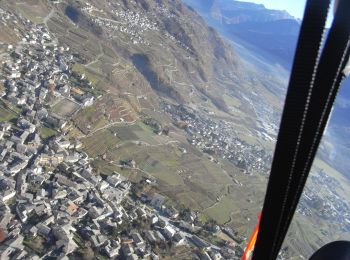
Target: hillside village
x: 53, y: 204
x: 217, y: 138
x: 56, y: 204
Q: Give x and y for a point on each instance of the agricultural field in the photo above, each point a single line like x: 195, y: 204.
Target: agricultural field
x: 344, y: 182
x: 189, y: 178
x: 88, y: 119
x: 65, y: 108
x: 46, y: 132
x: 99, y: 143
x: 94, y: 77
x: 221, y: 211
x: 138, y: 132
x: 125, y: 132
x: 162, y: 163
x: 32, y: 11
x: 6, y: 115
x: 107, y: 110
x: 104, y: 167
x: 231, y: 101
x: 157, y: 115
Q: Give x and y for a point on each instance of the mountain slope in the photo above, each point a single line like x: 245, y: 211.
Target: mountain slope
x: 136, y: 59
x: 277, y: 38
x: 273, y: 32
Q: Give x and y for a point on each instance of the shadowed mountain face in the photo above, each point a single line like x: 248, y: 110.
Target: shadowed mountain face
x: 272, y: 32
x: 72, y: 13
x: 144, y: 66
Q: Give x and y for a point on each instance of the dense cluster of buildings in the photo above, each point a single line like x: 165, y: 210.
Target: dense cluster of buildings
x: 56, y: 195
x: 326, y: 202
x: 135, y: 24
x: 37, y: 74
x: 125, y: 21
x: 183, y: 228
x: 218, y: 138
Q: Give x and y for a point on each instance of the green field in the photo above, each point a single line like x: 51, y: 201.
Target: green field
x: 231, y: 101
x: 162, y: 164
x: 89, y: 119
x: 92, y: 76
x: 6, y: 115
x: 101, y: 122
x: 46, y: 132
x: 100, y: 143
x: 222, y: 210
x: 124, y: 132
x: 30, y: 14
x: 104, y: 167
x: 96, y: 66
x: 138, y: 131
x: 65, y: 108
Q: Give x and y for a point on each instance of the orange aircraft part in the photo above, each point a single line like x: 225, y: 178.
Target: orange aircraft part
x: 252, y: 241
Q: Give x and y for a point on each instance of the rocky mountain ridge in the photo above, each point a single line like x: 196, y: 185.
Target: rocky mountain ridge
x: 272, y: 32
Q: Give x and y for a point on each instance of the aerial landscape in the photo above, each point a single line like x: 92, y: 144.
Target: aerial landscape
x: 145, y: 129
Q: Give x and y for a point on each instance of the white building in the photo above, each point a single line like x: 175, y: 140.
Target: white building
x: 169, y: 231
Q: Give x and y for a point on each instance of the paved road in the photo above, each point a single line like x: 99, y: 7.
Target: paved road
x: 109, y: 125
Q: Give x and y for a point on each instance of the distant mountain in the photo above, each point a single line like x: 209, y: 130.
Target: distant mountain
x: 277, y: 37
x: 336, y: 144
x: 235, y: 12
x: 272, y: 32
